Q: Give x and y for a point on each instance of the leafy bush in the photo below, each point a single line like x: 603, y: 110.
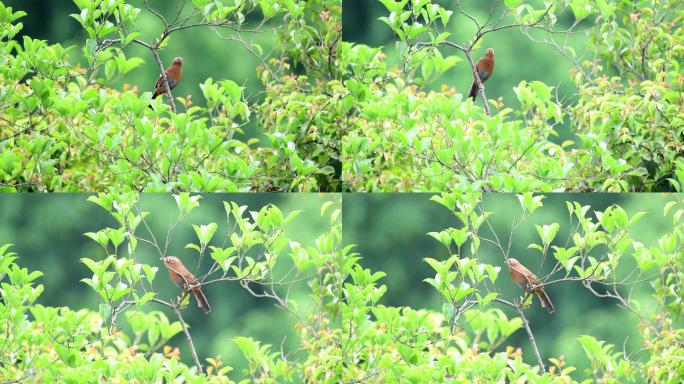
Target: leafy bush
x: 626, y: 121
x: 468, y: 339
x: 63, y: 128
x: 126, y: 339
x: 345, y: 333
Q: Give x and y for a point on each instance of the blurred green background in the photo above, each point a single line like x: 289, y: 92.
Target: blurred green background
x: 47, y: 233
x: 390, y: 231
x: 517, y: 58
x: 205, y: 53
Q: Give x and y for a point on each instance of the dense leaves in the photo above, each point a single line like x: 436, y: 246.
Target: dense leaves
x: 626, y: 122
x: 351, y: 336
x: 62, y: 128
x: 467, y: 339
x: 126, y: 339
x: 632, y: 107
x: 345, y: 332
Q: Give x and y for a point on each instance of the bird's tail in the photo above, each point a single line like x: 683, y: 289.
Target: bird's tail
x: 154, y: 96
x: 202, y: 301
x: 545, y: 301
x: 473, y: 91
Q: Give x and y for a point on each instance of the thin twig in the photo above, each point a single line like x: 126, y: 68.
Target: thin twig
x: 527, y: 329
x: 165, y: 81
x: 478, y: 81
x: 188, y: 338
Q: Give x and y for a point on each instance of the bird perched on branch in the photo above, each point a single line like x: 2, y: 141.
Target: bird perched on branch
x: 485, y: 68
x: 529, y: 282
x: 186, y: 281
x: 173, y: 75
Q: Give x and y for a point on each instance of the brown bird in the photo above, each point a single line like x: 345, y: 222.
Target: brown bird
x: 185, y: 280
x: 485, y: 68
x: 529, y: 281
x: 174, y: 73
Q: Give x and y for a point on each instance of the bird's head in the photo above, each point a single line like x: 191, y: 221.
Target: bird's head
x: 170, y: 260
x: 489, y: 52
x: 511, y: 262
x: 177, y: 61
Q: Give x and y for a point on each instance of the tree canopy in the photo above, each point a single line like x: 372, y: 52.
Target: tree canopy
x: 622, y: 115
x: 65, y: 127
x: 344, y: 332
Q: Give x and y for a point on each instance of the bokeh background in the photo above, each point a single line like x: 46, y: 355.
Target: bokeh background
x: 390, y: 233
x: 47, y: 231
x: 206, y: 53
x: 516, y: 57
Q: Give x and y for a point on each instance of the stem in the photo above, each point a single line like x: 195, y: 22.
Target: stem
x: 531, y: 336
x: 480, y: 86
x: 189, y: 339
x: 165, y: 82
x: 527, y: 329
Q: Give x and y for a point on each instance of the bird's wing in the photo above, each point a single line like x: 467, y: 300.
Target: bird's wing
x: 526, y: 275
x: 159, y: 82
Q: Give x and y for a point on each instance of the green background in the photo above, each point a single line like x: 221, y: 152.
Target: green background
x: 390, y: 231
x: 47, y: 233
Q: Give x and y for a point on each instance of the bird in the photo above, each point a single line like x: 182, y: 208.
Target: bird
x: 185, y: 280
x: 485, y: 68
x: 529, y: 281
x: 174, y: 73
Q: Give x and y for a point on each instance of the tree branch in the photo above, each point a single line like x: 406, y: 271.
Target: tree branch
x: 188, y: 338
x: 165, y: 81
x: 527, y: 329
x: 478, y: 81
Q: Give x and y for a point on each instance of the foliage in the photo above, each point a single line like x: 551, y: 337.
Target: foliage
x: 636, y: 115
x: 466, y: 341
x: 127, y: 338
x: 627, y: 128
x: 345, y: 333
x: 62, y: 128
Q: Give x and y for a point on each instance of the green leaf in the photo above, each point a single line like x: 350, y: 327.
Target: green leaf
x: 205, y: 232
x: 512, y: 3
x: 394, y: 6
x: 187, y: 203
x: 548, y: 232
x: 248, y: 346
